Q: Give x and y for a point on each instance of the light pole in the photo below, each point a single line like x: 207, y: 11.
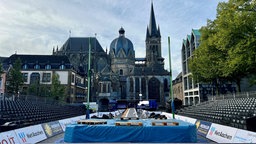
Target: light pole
x: 88, y: 82
x: 140, y: 95
x: 171, y: 92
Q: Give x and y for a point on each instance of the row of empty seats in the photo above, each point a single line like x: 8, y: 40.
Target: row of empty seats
x: 21, y: 113
x: 230, y: 112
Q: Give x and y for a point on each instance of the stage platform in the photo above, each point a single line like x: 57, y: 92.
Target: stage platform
x: 133, y: 131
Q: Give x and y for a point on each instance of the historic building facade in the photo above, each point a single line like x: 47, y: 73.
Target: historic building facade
x: 118, y: 74
x: 194, y: 92
x: 37, y: 72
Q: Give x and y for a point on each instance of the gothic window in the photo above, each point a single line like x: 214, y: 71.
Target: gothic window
x: 143, y: 87
x: 166, y: 88
x: 104, y: 88
x: 121, y: 72
x: 137, y: 85
x: 154, y: 89
x: 131, y: 85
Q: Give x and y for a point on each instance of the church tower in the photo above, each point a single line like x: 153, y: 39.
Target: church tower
x: 153, y: 43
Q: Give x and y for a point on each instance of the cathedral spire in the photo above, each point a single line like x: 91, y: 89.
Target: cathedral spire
x: 153, y: 31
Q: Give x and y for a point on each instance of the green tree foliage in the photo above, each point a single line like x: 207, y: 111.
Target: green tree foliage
x: 57, y: 90
x: 14, y: 78
x: 228, y: 44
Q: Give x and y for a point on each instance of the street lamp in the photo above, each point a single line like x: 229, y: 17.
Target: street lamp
x: 140, y: 95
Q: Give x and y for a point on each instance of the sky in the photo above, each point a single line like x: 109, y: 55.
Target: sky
x: 36, y: 26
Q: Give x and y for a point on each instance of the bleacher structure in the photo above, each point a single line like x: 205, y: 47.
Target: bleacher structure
x: 229, y: 112
x: 21, y: 113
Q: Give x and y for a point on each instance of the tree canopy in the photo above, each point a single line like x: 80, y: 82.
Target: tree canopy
x: 227, y: 47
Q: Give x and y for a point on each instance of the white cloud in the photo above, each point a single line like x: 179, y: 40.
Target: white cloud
x: 34, y: 27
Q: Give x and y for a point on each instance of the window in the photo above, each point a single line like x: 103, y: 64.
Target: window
x: 73, y: 78
x: 37, y: 66
x: 34, y: 78
x: 62, y: 67
x: 121, y: 72
x: 166, y: 86
x: 104, y: 88
x: 48, y: 67
x: 25, y: 66
x: 46, y: 77
x: 25, y: 77
x: 137, y: 84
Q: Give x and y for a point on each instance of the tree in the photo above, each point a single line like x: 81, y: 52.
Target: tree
x: 228, y: 44
x: 207, y: 60
x: 237, y: 35
x: 57, y: 90
x: 15, y: 78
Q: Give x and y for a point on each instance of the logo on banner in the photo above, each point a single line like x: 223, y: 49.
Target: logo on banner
x: 52, y: 128
x: 22, y: 136
x: 212, y: 130
x: 197, y: 124
x: 48, y: 130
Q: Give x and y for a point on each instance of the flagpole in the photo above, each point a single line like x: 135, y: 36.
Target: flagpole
x: 171, y: 92
x: 88, y: 82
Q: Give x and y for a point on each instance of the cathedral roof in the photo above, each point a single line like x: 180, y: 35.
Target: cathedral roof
x: 81, y: 44
x: 121, y: 43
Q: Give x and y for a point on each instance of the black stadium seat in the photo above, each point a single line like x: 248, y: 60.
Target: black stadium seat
x: 21, y: 113
x: 231, y: 112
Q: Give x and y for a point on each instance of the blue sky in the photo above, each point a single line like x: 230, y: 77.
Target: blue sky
x: 36, y: 26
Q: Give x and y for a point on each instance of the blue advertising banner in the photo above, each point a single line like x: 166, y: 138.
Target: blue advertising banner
x: 52, y: 128
x: 203, y: 127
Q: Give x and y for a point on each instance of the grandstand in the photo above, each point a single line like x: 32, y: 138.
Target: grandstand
x: 18, y: 113
x: 233, y: 112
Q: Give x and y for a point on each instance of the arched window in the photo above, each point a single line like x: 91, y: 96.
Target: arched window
x: 131, y: 85
x: 121, y: 72
x: 34, y: 78
x: 166, y: 87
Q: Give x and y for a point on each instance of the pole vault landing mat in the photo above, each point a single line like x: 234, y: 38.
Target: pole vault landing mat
x: 145, y: 131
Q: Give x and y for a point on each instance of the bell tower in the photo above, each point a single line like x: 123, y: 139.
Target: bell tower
x: 153, y: 43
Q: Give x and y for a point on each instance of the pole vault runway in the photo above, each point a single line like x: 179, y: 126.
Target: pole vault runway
x: 130, y: 113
